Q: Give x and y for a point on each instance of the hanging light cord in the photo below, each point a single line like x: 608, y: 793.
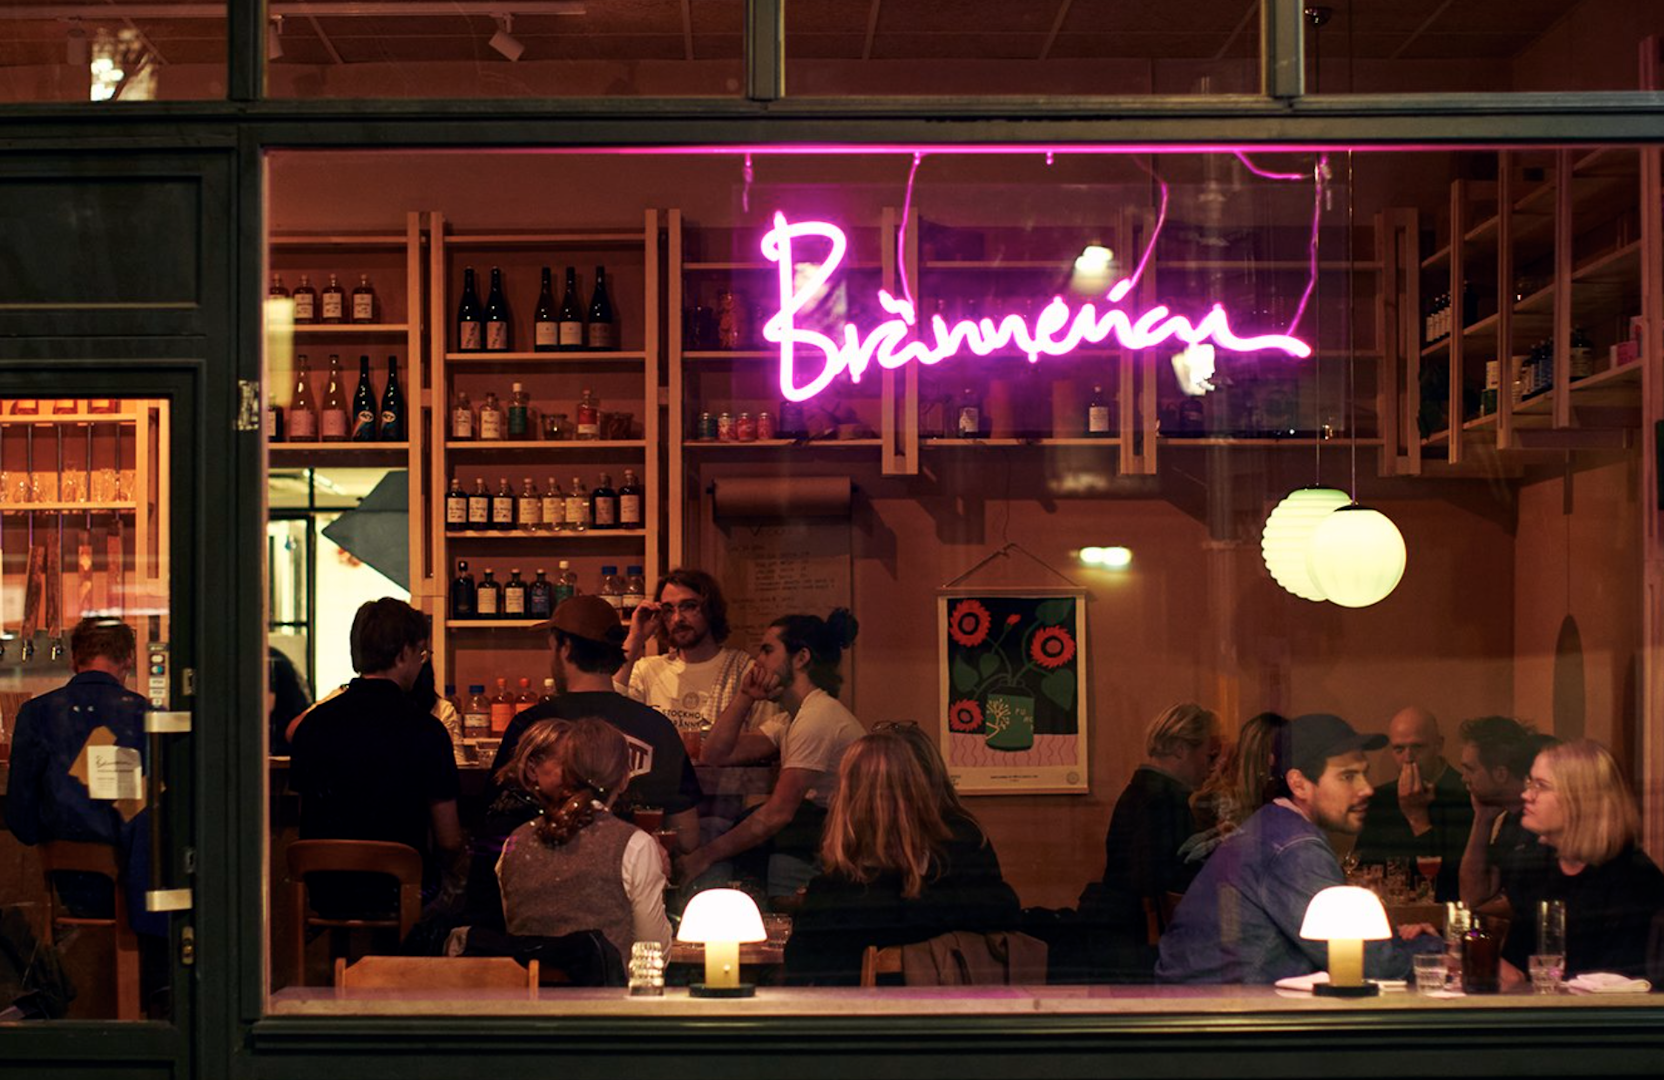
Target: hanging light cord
x: 1351, y: 314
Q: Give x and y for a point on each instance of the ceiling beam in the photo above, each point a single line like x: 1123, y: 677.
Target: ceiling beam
x: 1422, y: 29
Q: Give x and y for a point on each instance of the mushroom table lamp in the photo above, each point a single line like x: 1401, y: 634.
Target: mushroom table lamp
x: 721, y: 919
x: 1345, y: 916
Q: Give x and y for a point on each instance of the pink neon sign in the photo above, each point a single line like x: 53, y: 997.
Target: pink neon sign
x: 1056, y: 331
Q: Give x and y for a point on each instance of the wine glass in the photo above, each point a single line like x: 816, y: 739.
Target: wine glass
x: 1429, y: 866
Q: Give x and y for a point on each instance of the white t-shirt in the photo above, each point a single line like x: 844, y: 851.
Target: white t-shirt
x: 692, y: 696
x: 816, y: 740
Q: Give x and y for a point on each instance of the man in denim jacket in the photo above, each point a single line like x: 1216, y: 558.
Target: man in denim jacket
x: 1240, y: 920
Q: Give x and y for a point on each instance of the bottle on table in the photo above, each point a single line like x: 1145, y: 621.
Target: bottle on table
x: 306, y: 302
x: 1097, y: 414
x: 303, y: 410
x: 528, y: 510
x: 600, y: 334
x: 566, y: 583
x: 364, y: 405
x: 525, y: 699
x: 1481, y: 952
x: 577, y: 506
x: 635, y: 591
x: 502, y: 708
x: 488, y: 597
x: 499, y: 336
x: 554, y: 507
x: 462, y: 418
x: 603, y: 504
x: 470, y: 319
x: 462, y: 593
x: 392, y: 427
x: 629, y: 501
x: 569, y: 321
x: 589, y: 417
x: 514, y: 596
x: 519, y: 412
x: 476, y: 713
x: 502, y: 506
x: 540, y: 597
x: 364, y: 301
x: 545, y: 326
x: 491, y: 418
x: 333, y: 302
x: 479, y: 506
x: 612, y: 588
x: 332, y: 415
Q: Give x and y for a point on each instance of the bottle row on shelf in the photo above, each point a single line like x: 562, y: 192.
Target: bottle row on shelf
x: 1438, y: 319
x: 570, y: 326
x: 521, y: 419
x: 63, y: 407
x: 481, y: 715
x: 965, y: 415
x: 516, y: 599
x: 310, y: 418
x: 576, y: 509
x: 331, y: 306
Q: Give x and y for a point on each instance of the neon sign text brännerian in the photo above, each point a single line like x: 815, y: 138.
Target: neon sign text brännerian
x: 1056, y: 330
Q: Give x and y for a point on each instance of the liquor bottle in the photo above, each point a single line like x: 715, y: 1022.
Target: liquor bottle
x: 566, y: 583
x: 540, y: 597
x: 554, y: 507
x: 498, y: 332
x: 1582, y: 354
x: 635, y: 591
x: 332, y: 414
x: 277, y: 291
x: 502, y: 708
x: 528, y: 510
x: 306, y: 302
x: 392, y: 405
x: 519, y: 413
x: 470, y: 330
x: 569, y: 321
x: 548, y: 691
x: 502, y: 506
x: 476, y: 713
x: 629, y: 501
x: 462, y: 593
x: 545, y: 328
x: 488, y: 598
x: 303, y: 411
x: 491, y: 418
x: 603, y: 504
x: 612, y: 587
x: 274, y: 422
x: 364, y: 405
x: 600, y: 334
x: 364, y: 301
x: 589, y: 417
x: 514, y: 596
x: 1480, y: 953
x: 456, y: 505
x: 577, y: 506
x: 1097, y: 414
x: 462, y: 418
x: 526, y: 699
x: 479, y: 506
x: 969, y: 423
x: 333, y: 300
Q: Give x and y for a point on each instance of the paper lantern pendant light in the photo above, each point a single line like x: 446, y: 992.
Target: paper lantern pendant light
x: 1287, y: 537
x: 1356, y: 555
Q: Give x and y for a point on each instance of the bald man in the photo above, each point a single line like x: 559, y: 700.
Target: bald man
x: 1427, y: 812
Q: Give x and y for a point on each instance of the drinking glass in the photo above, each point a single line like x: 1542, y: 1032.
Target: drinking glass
x: 1431, y: 973
x: 1546, y: 970
x: 778, y: 927
x: 1429, y: 866
x: 647, y: 969
x: 1551, y: 927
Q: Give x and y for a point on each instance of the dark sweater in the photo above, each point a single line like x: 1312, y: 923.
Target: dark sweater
x: 1610, y: 910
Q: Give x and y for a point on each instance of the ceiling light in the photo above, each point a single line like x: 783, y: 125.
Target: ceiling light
x: 1356, y: 555
x: 1287, y: 538
x: 504, y: 40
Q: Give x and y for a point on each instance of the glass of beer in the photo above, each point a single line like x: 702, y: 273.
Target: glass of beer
x: 649, y: 818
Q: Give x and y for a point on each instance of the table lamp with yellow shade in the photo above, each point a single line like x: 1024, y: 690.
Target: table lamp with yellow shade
x: 721, y: 919
x: 1345, y: 916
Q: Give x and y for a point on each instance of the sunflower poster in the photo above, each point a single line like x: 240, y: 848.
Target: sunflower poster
x: 1014, y: 690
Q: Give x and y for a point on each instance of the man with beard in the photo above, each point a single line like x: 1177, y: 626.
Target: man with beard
x: 1501, y: 855
x: 1427, y: 812
x: 1239, y: 922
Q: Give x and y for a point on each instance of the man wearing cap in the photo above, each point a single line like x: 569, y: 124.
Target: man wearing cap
x: 1239, y: 922
x: 1427, y: 812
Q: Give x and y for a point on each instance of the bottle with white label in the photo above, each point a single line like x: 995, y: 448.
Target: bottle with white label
x: 479, y: 506
x: 577, y: 506
x: 306, y: 302
x: 589, y: 417
x: 629, y: 501
x: 491, y: 418
x: 514, y: 597
x: 333, y: 425
x: 502, y: 506
x: 462, y: 418
x: 456, y: 505
x: 603, y: 504
x: 476, y: 713
x: 364, y: 301
x: 528, y: 512
x: 1097, y: 414
x: 488, y: 598
x: 334, y: 301
x: 612, y: 588
x: 554, y: 507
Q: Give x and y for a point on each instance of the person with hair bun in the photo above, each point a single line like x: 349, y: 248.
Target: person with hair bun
x: 797, y: 668
x: 576, y: 867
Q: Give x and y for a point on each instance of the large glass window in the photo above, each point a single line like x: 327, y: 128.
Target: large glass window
x: 120, y: 50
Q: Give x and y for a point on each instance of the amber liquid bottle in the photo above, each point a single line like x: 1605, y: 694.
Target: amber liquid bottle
x: 334, y: 301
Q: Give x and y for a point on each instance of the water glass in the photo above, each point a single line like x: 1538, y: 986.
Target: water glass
x: 1551, y: 927
x: 778, y: 927
x: 1546, y: 970
x: 1431, y: 973
x: 646, y: 971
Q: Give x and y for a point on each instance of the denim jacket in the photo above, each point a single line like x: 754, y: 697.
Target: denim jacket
x: 1240, y: 920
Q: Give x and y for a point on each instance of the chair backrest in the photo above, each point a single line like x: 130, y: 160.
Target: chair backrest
x: 401, y: 861
x: 876, y: 962
x: 436, y: 973
x: 88, y: 858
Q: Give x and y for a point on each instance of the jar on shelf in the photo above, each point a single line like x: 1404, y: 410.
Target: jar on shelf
x: 725, y: 427
x: 556, y: 427
x: 730, y: 320
x: 745, y: 428
x: 765, y: 425
x: 705, y: 430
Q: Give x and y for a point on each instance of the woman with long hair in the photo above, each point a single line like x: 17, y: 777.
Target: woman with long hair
x: 1578, y: 803
x: 1241, y: 785
x: 577, y: 867
x: 955, y: 814
x: 533, y: 767
x: 893, y: 870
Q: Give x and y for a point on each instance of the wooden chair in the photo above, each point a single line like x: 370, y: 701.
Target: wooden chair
x: 98, y: 859
x: 436, y: 973
x: 876, y: 962
x: 358, y: 856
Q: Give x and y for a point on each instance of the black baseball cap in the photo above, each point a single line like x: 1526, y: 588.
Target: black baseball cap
x: 1309, y: 741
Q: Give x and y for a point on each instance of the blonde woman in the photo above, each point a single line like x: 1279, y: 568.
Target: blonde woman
x: 1578, y: 804
x: 895, y: 871
x: 533, y: 767
x: 1241, y: 785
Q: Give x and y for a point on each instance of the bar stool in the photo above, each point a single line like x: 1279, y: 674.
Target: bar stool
x: 399, y: 861
x: 100, y: 859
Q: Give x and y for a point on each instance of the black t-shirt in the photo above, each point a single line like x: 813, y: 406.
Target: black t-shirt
x: 660, y: 773
x: 1610, y: 910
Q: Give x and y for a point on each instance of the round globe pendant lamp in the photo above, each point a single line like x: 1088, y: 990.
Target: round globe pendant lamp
x: 1286, y: 540
x: 1356, y: 556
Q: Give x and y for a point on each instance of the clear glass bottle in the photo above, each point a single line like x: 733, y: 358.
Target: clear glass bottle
x: 514, y: 596
x: 548, y: 690
x: 589, y: 416
x: 333, y: 425
x: 612, y: 588
x: 476, y: 713
x: 479, y: 506
x: 502, y: 506
x: 462, y: 418
x: 554, y: 507
x: 303, y: 410
x: 603, y: 504
x: 491, y: 418
x: 577, y: 506
x: 635, y: 591
x: 528, y: 511
x: 566, y: 583
x: 519, y: 412
x: 364, y: 301
x: 488, y: 598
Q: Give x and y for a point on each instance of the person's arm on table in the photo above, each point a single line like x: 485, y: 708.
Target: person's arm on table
x: 768, y: 819
x: 1480, y: 878
x: 728, y: 743
x: 644, y: 884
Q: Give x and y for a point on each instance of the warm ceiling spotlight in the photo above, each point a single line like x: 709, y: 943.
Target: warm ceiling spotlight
x: 504, y: 40
x: 1110, y: 558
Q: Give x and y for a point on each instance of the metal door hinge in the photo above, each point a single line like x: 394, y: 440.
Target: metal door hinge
x: 187, y: 682
x: 165, y: 722
x: 248, y: 413
x: 187, y: 945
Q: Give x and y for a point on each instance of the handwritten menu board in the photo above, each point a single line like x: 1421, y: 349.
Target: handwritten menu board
x: 789, y: 568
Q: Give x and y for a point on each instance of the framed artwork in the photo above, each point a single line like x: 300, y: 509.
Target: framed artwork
x: 1013, y: 690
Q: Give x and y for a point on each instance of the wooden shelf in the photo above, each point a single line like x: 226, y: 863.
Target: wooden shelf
x: 362, y: 240
x: 1291, y: 443
x: 1539, y: 304
x: 308, y: 455
x: 543, y: 445
x: 492, y: 624
x: 1480, y: 423
x: 1621, y: 266
x: 809, y: 445
x: 350, y: 329
x: 1102, y: 442
x: 557, y: 537
x: 631, y: 238
x: 83, y: 418
x: 67, y: 507
x: 731, y: 354
x: 569, y: 356
x: 1626, y: 377
x: 1439, y: 346
x: 1437, y: 258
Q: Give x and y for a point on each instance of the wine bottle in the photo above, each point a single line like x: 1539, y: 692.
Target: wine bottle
x: 528, y: 510
x: 502, y: 506
x: 570, y: 319
x: 488, y: 597
x: 456, y: 505
x: 498, y: 337
x: 392, y: 405
x: 479, y: 506
x: 629, y: 501
x: 364, y: 405
x: 540, y: 598
x: 303, y: 411
x: 462, y: 592
x: 334, y: 299
x: 603, y: 504
x: 1097, y: 414
x: 514, y: 597
x: 332, y: 415
x: 491, y: 418
x: 364, y: 301
x: 545, y: 328
x: 600, y: 334
x: 470, y: 332
x: 306, y: 302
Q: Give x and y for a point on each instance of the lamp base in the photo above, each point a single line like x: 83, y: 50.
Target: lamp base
x: 742, y: 990
x: 1368, y: 989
